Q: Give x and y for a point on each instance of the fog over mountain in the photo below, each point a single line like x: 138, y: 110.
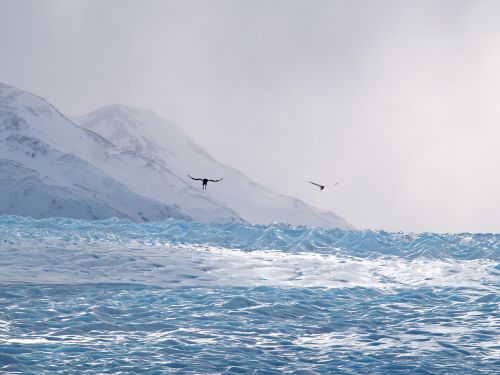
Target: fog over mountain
x: 125, y: 162
x: 397, y: 100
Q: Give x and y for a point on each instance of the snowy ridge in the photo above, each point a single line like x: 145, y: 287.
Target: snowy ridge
x: 142, y: 131
x: 135, y: 168
x: 84, y: 170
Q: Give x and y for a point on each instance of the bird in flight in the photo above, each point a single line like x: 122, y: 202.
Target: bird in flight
x: 204, y: 181
x: 321, y: 187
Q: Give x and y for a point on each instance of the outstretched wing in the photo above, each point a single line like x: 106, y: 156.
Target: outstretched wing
x: 220, y: 179
x: 314, y: 183
x: 197, y: 179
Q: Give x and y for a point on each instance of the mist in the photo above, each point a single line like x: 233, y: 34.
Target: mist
x: 395, y: 100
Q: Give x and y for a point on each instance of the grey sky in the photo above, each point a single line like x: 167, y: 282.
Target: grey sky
x: 397, y: 100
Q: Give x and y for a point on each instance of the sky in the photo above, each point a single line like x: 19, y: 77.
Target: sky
x: 398, y: 101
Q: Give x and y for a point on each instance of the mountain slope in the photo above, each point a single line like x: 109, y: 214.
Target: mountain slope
x: 128, y: 163
x: 142, y: 132
x: 26, y: 192
x: 50, y: 166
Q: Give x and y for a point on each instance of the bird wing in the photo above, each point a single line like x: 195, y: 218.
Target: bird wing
x: 314, y: 183
x: 197, y: 179
x: 216, y: 180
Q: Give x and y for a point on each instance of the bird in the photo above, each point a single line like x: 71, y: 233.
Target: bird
x: 204, y: 181
x: 321, y: 187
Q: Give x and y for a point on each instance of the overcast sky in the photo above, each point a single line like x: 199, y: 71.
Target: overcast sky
x: 399, y: 101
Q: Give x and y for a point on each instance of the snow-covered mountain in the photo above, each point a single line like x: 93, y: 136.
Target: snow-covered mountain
x: 50, y: 166
x: 143, y: 132
x: 124, y: 162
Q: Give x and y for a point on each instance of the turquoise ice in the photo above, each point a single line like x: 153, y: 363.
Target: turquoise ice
x: 113, y: 296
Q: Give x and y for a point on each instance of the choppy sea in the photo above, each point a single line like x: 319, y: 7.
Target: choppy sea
x: 112, y: 296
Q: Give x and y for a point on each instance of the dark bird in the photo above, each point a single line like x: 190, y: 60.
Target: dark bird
x: 204, y: 181
x: 321, y: 187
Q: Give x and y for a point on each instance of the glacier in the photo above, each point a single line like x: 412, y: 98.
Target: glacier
x: 116, y: 296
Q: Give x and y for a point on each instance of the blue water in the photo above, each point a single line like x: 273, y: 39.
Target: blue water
x: 117, y: 297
